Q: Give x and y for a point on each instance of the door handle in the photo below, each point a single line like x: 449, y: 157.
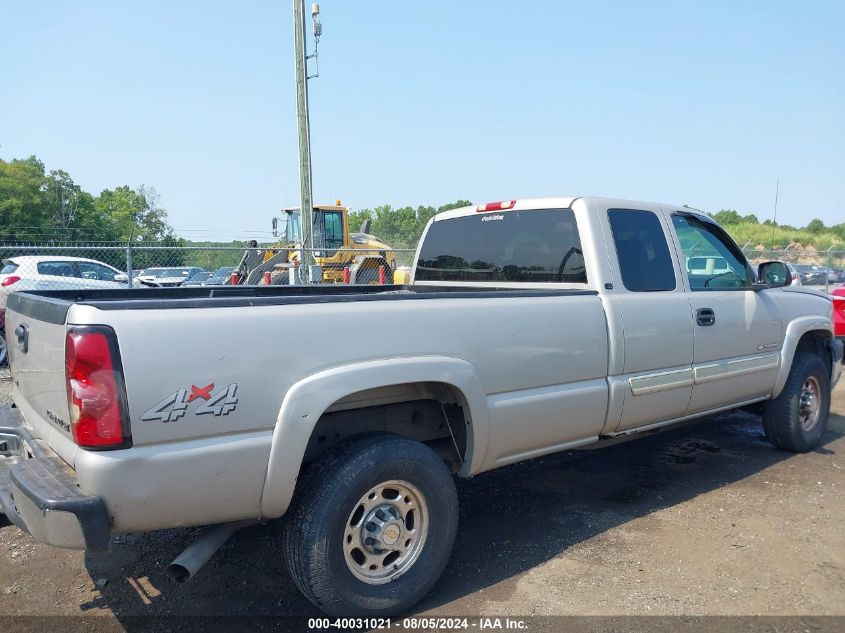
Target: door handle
x: 705, y: 317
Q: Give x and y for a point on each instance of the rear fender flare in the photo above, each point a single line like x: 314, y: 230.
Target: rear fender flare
x: 309, y: 398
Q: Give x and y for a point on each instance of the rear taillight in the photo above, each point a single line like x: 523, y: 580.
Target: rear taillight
x: 8, y: 281
x: 95, y: 392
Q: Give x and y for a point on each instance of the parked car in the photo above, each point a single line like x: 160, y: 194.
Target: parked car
x: 530, y: 327
x: 699, y: 265
x: 197, y: 279
x: 168, y: 277
x: 839, y: 312
x: 219, y: 277
x: 796, y: 276
x: 836, y: 276
x: 812, y: 275
x: 32, y: 272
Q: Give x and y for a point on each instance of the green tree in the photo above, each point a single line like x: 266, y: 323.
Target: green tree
x: 133, y: 214
x: 816, y: 226
x: 401, y: 228
x: 727, y: 216
x: 23, y: 207
x: 62, y: 198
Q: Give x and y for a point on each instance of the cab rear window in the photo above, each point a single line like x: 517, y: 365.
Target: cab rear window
x: 8, y: 269
x: 526, y: 246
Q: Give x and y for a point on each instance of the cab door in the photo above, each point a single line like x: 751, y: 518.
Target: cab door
x: 649, y: 315
x: 737, y: 329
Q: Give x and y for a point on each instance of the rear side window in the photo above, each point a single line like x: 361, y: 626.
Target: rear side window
x: 59, y: 269
x: 8, y: 269
x: 528, y: 246
x: 642, y: 250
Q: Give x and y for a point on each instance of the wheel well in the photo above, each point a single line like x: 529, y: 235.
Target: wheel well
x: 815, y: 342
x: 433, y: 413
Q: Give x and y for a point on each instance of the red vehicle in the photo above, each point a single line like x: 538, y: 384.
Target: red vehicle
x: 839, y: 311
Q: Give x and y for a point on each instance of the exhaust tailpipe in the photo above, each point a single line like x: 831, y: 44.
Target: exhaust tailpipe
x: 190, y: 561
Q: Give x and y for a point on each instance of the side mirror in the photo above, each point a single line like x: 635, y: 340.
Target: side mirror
x: 773, y: 275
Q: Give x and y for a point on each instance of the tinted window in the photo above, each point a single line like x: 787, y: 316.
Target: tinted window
x: 334, y: 229
x: 713, y: 262
x: 96, y: 271
x: 642, y: 250
x: 328, y: 230
x: 8, y: 269
x: 538, y: 246
x: 59, y: 269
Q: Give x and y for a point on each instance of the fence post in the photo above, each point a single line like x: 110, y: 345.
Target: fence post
x: 129, y: 264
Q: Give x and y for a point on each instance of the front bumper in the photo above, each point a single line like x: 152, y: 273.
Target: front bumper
x: 39, y: 494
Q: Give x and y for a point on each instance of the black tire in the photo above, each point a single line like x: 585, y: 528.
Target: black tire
x: 782, y: 416
x: 317, y: 525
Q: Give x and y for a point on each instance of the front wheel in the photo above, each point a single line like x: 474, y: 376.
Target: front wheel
x: 797, y: 418
x: 372, y: 526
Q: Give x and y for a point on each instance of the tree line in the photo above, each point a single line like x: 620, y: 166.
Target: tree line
x: 40, y: 207
x: 748, y: 230
x: 44, y: 208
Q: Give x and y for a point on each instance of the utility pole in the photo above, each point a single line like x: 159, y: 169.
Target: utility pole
x: 304, y: 129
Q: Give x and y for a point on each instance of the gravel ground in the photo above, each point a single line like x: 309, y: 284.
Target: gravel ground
x: 5, y: 386
x: 703, y: 520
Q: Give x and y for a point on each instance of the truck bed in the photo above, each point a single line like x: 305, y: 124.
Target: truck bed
x: 510, y: 354
x: 52, y: 305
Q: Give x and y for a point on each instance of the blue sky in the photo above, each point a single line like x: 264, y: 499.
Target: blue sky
x: 425, y: 102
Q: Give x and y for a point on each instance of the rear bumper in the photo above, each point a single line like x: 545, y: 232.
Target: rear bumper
x: 39, y: 493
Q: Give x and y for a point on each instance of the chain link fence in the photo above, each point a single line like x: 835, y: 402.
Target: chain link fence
x: 110, y: 265
x: 114, y: 266
x: 59, y: 266
x: 68, y: 266
x: 821, y: 268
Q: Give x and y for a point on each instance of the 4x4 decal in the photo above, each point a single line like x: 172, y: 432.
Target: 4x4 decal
x: 220, y: 402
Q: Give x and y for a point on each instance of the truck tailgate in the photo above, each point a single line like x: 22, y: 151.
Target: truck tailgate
x: 36, y: 341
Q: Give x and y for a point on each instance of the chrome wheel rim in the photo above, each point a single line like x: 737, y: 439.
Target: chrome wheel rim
x: 385, y: 532
x: 809, y: 408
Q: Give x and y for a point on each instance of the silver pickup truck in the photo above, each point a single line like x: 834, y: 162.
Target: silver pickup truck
x: 529, y: 327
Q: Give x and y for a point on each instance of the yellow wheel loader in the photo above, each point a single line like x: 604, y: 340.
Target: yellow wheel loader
x: 344, y: 256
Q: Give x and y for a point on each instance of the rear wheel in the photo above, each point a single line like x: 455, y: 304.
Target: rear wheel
x: 372, y: 526
x: 796, y: 420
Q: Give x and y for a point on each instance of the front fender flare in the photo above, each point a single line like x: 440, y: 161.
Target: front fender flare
x: 307, y: 400
x: 794, y: 331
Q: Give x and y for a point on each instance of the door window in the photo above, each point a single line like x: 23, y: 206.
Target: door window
x: 88, y: 270
x: 712, y: 261
x: 644, y: 258
x: 328, y: 230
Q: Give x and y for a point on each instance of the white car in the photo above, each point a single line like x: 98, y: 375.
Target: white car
x: 168, y: 277
x: 52, y: 272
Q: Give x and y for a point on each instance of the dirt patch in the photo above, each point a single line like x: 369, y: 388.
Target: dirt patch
x: 5, y: 386
x: 705, y: 519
